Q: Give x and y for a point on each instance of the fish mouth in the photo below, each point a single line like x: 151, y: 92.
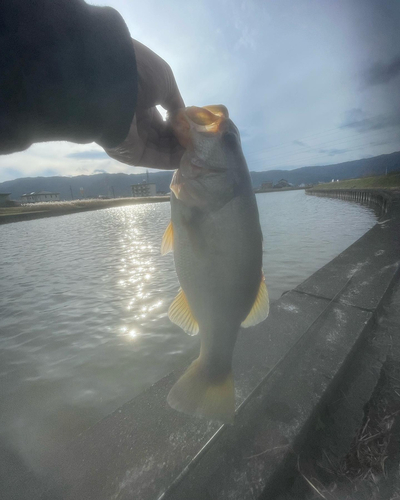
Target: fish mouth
x: 208, y: 120
x: 209, y: 117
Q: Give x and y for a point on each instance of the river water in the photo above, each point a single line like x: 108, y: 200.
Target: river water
x: 84, y: 299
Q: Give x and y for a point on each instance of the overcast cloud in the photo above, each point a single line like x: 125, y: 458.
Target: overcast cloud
x: 308, y: 82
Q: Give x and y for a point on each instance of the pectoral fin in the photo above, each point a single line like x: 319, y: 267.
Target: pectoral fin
x: 179, y: 312
x: 167, y: 243
x: 260, y: 308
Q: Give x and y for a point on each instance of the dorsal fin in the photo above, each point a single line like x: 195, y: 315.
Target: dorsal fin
x: 260, y: 308
x: 167, y: 243
x: 179, y: 312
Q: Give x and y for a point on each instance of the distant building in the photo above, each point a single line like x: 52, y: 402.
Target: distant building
x: 283, y: 183
x: 40, y: 196
x: 4, y: 199
x: 266, y: 185
x: 143, y: 189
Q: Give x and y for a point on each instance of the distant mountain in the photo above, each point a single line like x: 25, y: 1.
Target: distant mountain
x: 93, y: 185
x: 119, y: 184
x: 376, y: 165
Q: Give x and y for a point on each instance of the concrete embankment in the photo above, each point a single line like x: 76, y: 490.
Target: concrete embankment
x: 354, y: 451
x: 288, y: 371
x: 279, y: 190
x: 53, y: 209
x: 379, y: 198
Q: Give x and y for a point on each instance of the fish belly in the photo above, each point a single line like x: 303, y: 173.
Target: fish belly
x: 218, y: 259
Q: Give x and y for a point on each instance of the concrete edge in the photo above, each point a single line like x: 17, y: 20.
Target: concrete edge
x: 305, y: 438
x: 269, y: 475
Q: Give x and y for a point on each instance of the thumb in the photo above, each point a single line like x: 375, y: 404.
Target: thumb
x: 172, y: 99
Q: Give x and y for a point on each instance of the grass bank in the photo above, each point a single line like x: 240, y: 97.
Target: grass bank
x: 49, y: 209
x: 391, y: 181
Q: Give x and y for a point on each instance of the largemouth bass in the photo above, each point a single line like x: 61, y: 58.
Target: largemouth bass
x: 216, y: 238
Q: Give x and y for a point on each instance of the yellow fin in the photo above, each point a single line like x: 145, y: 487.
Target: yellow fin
x: 260, y: 308
x: 179, y: 312
x: 167, y: 243
x: 196, y: 394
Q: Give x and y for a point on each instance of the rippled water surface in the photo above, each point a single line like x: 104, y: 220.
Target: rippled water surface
x: 84, y: 299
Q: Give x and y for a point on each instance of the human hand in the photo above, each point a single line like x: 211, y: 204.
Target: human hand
x: 151, y: 141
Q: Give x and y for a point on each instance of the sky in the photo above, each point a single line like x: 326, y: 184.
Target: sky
x: 307, y: 82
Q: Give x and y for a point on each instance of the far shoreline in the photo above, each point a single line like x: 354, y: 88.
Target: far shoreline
x: 53, y: 209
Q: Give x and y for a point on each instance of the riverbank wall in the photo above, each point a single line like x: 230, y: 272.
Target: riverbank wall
x: 278, y: 190
x: 288, y: 373
x: 378, y: 198
x: 54, y: 209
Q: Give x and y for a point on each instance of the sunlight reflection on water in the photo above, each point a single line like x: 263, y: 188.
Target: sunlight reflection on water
x: 84, y: 304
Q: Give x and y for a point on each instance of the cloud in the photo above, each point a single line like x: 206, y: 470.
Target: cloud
x: 82, y: 170
x: 89, y: 155
x: 10, y: 173
x: 353, y: 115
x: 381, y: 73
x: 248, y: 38
x: 100, y: 171
x: 356, y: 119
x: 381, y: 143
x: 49, y: 159
x: 300, y: 143
x: 333, y: 152
x: 48, y: 172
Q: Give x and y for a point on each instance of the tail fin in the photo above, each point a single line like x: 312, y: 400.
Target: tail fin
x: 195, y: 393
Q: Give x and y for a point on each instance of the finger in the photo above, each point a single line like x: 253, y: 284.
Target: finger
x: 161, y: 137
x: 173, y: 99
x: 162, y: 149
x: 157, y: 84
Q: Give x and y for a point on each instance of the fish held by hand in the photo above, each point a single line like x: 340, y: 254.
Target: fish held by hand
x: 216, y: 238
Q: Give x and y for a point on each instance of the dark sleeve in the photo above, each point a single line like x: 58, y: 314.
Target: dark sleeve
x: 67, y: 72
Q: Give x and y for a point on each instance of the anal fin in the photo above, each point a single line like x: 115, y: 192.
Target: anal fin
x: 260, y: 308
